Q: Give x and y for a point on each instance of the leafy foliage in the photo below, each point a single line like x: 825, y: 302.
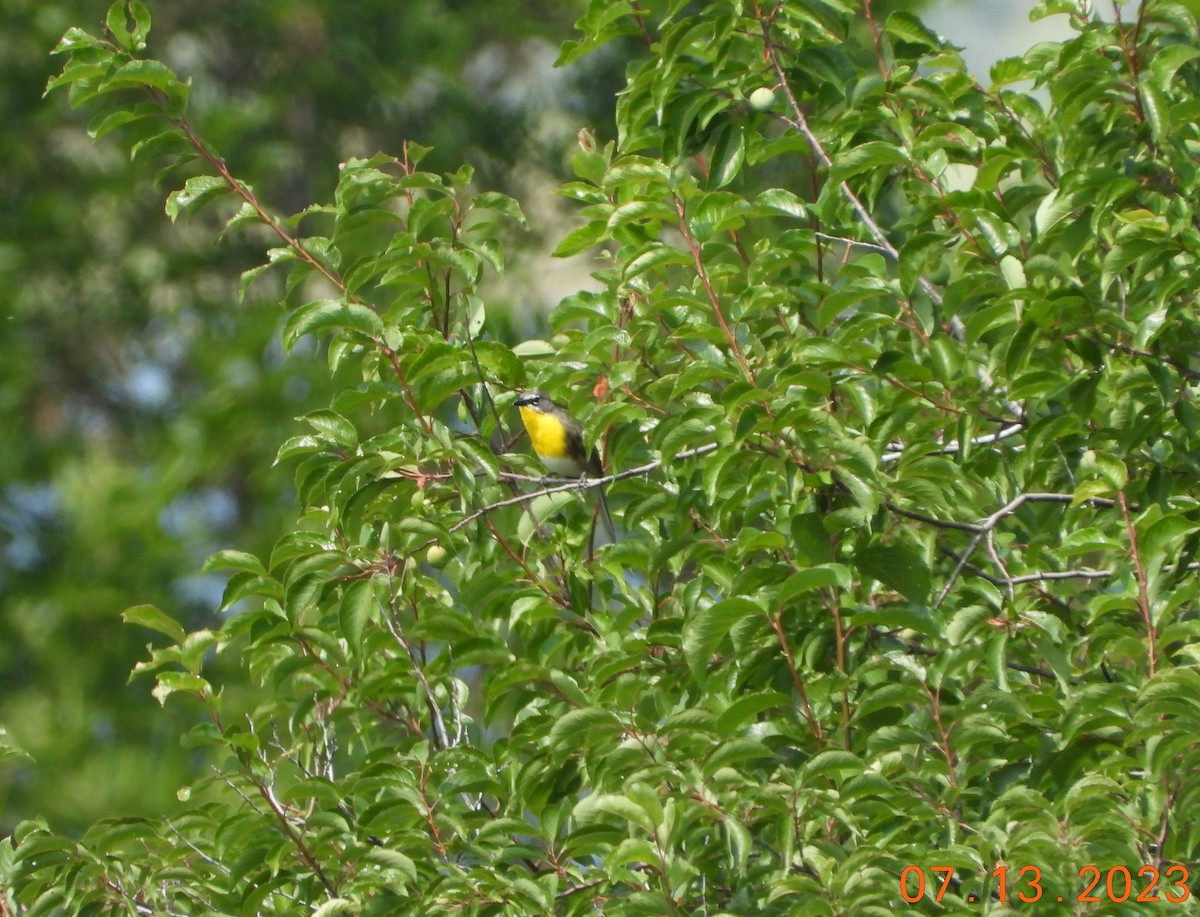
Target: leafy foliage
x: 149, y: 397
x: 894, y: 371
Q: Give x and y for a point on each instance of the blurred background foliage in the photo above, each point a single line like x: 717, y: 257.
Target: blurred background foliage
x: 142, y: 399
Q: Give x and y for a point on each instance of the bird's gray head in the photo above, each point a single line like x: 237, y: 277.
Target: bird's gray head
x: 536, y: 399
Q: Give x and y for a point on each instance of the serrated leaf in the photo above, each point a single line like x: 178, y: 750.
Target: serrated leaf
x: 871, y: 155
x: 196, y: 191
x: 576, y: 728
x: 325, y: 314
x: 784, y: 201
x: 233, y: 560
x: 155, y: 619
x: 358, y: 606
x: 897, y: 567
x: 706, y: 627
x: 728, y: 156
x: 591, y: 807
x: 172, y: 682
x: 825, y: 576
x: 334, y: 426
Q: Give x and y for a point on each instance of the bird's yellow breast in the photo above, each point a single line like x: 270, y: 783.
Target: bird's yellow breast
x: 546, y: 432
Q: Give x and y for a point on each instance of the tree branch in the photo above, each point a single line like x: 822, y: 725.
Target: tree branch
x: 441, y: 737
x: 896, y: 450
x: 566, y: 484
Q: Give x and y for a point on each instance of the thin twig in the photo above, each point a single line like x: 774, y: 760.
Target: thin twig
x: 962, y: 562
x: 268, y: 793
x: 1040, y: 577
x: 984, y: 532
x: 585, y: 483
x: 889, y: 253
x: 989, y: 523
x: 1143, y: 591
x: 915, y: 649
x: 435, y: 713
x: 702, y: 273
x: 896, y: 450
x: 776, y: 621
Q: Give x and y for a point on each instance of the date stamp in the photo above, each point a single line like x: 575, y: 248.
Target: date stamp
x: 1116, y: 884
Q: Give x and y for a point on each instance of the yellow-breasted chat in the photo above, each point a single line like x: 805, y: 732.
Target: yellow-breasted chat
x: 557, y: 439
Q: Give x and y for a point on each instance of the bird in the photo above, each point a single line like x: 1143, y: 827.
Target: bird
x: 557, y: 439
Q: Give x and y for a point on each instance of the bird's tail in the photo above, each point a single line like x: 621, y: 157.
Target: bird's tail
x: 602, y: 509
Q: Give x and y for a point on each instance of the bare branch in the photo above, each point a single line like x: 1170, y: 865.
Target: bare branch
x: 895, y: 450
x: 889, y: 253
x: 1143, y: 591
x: 962, y: 562
x: 435, y: 712
x: 566, y: 484
x: 984, y: 533
x: 990, y: 522
x: 915, y: 649
x: 1043, y: 576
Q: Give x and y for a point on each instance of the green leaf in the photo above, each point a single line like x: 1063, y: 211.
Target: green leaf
x: 833, y: 763
x: 653, y: 256
x: 736, y: 751
x: 728, y: 156
x: 10, y: 750
x: 826, y: 576
x: 908, y: 28
x: 745, y: 709
x: 233, y: 560
x: 335, y: 907
x: 358, y: 606
x: 77, y: 39
x: 591, y: 808
x: 706, y: 627
x: 175, y: 682
x: 334, y: 426
x: 582, y: 238
x: 196, y: 191
x: 786, y: 202
x: 1156, y: 108
x: 579, y: 728
x: 394, y: 860
x: 116, y: 23
x: 501, y: 203
x: 325, y: 314
x: 111, y: 120
x: 151, y: 617
x: 871, y: 155
x: 897, y: 567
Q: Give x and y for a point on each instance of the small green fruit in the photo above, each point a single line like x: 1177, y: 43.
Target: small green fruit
x: 436, y: 556
x: 762, y: 99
